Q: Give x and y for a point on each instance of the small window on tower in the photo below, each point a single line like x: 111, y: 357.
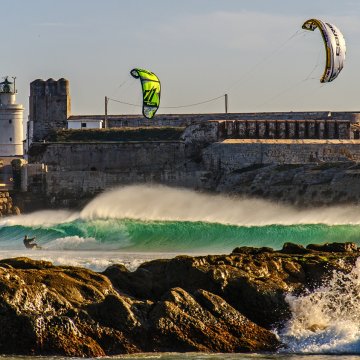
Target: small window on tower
x: 10, y: 139
x: 83, y: 125
x: 10, y: 121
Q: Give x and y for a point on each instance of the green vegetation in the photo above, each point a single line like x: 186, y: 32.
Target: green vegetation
x: 117, y: 134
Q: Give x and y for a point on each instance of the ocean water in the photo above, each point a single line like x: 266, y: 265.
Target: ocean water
x: 134, y: 224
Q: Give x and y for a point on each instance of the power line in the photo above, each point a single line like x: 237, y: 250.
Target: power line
x: 170, y: 107
x: 123, y: 102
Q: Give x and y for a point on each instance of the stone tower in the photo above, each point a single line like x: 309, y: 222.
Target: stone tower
x: 11, y: 121
x: 49, y: 107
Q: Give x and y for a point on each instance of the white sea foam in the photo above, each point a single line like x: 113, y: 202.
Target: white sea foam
x: 72, y: 243
x: 152, y: 203
x: 326, y: 320
x: 164, y: 203
x: 41, y: 218
x: 93, y: 260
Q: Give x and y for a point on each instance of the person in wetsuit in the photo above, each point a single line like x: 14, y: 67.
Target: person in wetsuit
x: 28, y: 242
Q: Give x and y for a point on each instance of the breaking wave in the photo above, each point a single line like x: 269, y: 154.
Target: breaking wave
x: 158, y: 218
x: 326, y: 320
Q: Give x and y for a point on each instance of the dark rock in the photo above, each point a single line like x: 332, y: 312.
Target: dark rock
x: 179, y: 321
x: 25, y: 263
x: 251, y: 250
x: 215, y: 303
x: 334, y: 247
x: 290, y: 248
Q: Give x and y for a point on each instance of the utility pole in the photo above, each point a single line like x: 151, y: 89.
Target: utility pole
x: 106, y: 112
x: 226, y: 103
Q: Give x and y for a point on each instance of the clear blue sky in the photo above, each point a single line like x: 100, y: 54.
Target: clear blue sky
x: 200, y: 49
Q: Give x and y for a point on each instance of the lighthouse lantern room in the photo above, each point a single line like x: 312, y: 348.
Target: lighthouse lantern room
x: 11, y: 120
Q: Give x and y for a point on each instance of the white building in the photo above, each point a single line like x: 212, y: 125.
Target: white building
x: 11, y: 121
x: 83, y: 124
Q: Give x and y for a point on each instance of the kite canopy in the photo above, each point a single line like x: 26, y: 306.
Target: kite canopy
x: 151, y: 91
x: 335, y: 47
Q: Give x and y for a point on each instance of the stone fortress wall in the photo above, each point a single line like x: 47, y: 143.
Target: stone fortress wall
x: 217, y: 152
x: 184, y: 120
x: 49, y: 107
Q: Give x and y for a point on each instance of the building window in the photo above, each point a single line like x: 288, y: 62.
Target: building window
x: 83, y: 125
x: 10, y: 139
x: 10, y: 121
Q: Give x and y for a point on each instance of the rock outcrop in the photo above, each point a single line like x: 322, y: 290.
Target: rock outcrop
x: 222, y: 303
x: 6, y: 205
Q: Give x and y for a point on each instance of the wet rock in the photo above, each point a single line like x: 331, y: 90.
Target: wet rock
x: 334, y: 247
x: 7, y: 207
x: 42, y: 309
x: 205, y: 322
x: 290, y: 248
x: 215, y: 303
x: 253, y: 281
x: 251, y: 250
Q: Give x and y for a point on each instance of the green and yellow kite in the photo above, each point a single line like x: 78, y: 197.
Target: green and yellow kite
x: 151, y: 89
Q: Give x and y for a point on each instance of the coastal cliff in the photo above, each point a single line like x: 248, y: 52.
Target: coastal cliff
x: 215, y: 303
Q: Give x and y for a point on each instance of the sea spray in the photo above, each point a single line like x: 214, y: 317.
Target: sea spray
x: 326, y: 320
x: 161, y: 203
x: 41, y: 218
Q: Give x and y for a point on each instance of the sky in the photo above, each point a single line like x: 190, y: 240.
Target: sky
x: 253, y: 50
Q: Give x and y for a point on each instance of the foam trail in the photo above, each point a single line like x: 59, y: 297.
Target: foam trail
x: 71, y: 243
x: 160, y: 203
x: 165, y: 204
x: 41, y: 218
x: 326, y: 320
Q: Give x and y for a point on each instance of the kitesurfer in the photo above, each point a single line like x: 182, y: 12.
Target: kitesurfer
x: 28, y: 242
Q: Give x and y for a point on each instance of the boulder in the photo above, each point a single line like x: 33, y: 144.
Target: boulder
x: 334, y: 247
x: 214, y: 303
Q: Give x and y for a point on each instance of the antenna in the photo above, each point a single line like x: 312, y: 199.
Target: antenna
x: 14, y: 78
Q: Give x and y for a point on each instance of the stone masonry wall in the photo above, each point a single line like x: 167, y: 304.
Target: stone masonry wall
x: 78, y: 171
x: 189, y: 119
x: 300, y: 172
x: 232, y: 155
x: 49, y: 107
x: 287, y: 170
x: 117, y: 156
x: 268, y: 129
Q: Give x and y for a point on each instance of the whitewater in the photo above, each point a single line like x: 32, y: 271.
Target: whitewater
x: 133, y: 224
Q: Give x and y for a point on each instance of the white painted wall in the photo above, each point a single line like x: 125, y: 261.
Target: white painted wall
x: 90, y: 124
x: 11, y: 126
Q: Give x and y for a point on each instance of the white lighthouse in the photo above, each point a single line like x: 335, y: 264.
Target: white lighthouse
x: 11, y: 121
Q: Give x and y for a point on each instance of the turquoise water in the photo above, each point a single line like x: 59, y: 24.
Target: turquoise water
x: 171, y: 236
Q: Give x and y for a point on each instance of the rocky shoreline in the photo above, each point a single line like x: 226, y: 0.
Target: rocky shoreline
x: 215, y: 303
x: 6, y: 205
